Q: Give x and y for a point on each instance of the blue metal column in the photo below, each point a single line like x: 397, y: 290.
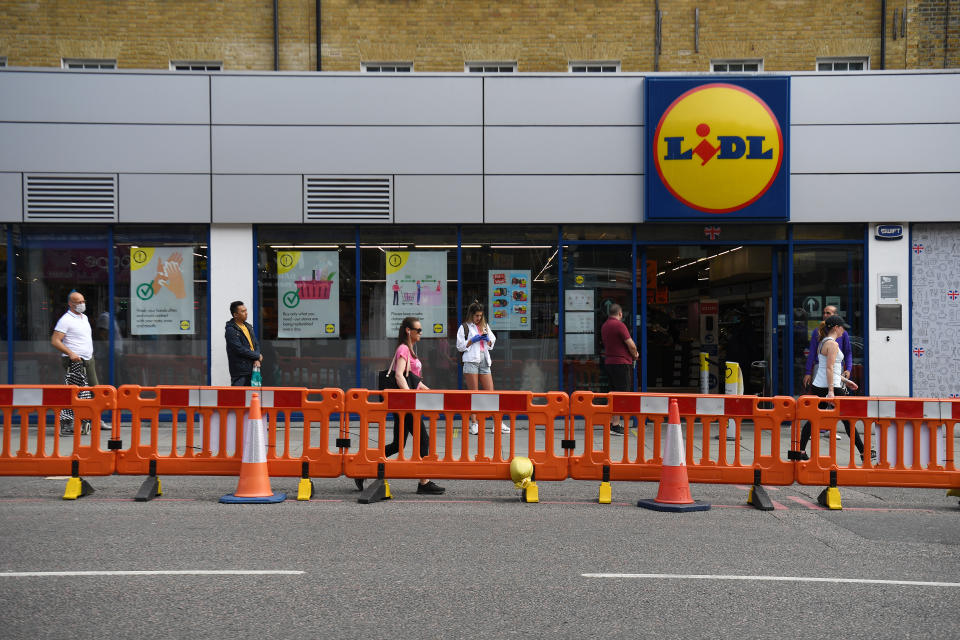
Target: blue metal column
x: 633, y: 310
x: 775, y: 326
x: 560, y: 305
x: 356, y: 304
x: 11, y: 293
x: 788, y: 357
x: 111, y: 308
x: 460, y: 294
x: 643, y: 319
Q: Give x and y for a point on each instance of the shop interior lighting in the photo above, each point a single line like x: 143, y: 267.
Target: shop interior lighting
x: 699, y: 260
x: 520, y: 246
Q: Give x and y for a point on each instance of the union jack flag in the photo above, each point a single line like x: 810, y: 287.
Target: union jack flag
x: 918, y: 248
x: 918, y: 351
x: 954, y: 395
x: 711, y: 232
x: 953, y: 294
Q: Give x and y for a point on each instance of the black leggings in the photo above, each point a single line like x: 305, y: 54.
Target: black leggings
x: 805, y: 430
x: 392, y: 448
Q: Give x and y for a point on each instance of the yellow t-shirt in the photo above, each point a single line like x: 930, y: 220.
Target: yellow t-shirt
x: 243, y: 328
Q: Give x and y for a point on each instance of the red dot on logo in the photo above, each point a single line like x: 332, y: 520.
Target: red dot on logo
x: 703, y: 130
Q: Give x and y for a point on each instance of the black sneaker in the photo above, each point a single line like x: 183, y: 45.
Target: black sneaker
x: 431, y: 488
x: 617, y: 429
x: 804, y: 456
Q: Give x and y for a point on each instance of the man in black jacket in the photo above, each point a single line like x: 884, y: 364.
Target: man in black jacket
x: 242, y: 347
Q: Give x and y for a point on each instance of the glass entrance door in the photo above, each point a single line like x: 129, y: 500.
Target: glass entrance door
x: 720, y: 300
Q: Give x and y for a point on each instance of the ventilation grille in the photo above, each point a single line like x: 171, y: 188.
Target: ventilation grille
x: 348, y: 198
x: 70, y: 197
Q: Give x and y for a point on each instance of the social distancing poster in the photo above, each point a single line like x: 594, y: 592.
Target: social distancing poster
x: 308, y: 294
x: 161, y: 291
x: 417, y: 287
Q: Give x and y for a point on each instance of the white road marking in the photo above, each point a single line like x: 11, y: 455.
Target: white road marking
x: 189, y: 572
x: 681, y: 576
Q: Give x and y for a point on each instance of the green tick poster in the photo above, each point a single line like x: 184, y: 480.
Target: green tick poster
x: 308, y: 294
x: 161, y: 291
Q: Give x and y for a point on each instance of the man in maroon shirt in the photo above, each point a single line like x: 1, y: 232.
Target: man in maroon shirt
x: 620, y: 352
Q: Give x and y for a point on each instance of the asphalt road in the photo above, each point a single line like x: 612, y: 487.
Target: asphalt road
x: 474, y: 563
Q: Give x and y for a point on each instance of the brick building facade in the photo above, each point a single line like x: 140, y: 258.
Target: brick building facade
x: 442, y: 35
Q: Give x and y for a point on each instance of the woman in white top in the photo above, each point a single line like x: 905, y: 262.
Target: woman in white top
x: 475, y: 339
x: 829, y: 380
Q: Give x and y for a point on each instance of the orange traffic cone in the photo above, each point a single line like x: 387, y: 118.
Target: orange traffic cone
x: 254, y: 482
x: 674, y: 492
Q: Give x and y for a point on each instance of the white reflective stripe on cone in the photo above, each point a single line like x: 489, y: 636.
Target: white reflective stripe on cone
x: 254, y: 442
x: 673, y: 455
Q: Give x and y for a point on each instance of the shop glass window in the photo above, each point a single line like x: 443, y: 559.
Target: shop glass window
x: 707, y: 231
x: 48, y: 265
x: 307, y: 295
x: 431, y: 261
x: 513, y: 273
x: 828, y: 231
x: 827, y: 275
x: 598, y: 232
x: 149, y: 349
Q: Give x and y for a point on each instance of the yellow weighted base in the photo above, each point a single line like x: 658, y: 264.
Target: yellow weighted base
x: 606, y: 493
x: 531, y: 493
x: 305, y: 489
x: 386, y: 490
x: 76, y: 488
x: 830, y: 498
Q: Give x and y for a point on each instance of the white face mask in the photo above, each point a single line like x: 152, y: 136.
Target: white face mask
x: 81, y: 307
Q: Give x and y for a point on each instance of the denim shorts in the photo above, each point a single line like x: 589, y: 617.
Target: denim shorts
x: 476, y: 367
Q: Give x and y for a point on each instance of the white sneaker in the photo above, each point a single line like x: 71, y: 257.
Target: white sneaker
x: 839, y: 437
x: 474, y: 428
x: 504, y: 427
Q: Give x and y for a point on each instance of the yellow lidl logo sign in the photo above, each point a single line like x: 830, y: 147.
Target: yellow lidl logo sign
x: 717, y: 148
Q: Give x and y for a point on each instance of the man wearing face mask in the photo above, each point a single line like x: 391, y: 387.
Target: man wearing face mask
x: 73, y: 337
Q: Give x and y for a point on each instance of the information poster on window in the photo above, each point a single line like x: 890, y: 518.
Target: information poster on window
x: 579, y: 318
x: 308, y: 294
x: 509, y: 299
x: 161, y: 291
x: 417, y: 286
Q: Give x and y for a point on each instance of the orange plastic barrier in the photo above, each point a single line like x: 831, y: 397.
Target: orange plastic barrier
x: 34, y: 411
x: 533, y: 418
x: 637, y: 455
x: 915, y: 441
x: 206, y: 429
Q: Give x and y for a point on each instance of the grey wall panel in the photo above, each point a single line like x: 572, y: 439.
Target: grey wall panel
x: 875, y: 98
x: 347, y: 150
x: 100, y: 97
x: 104, y: 148
x: 553, y: 199
x: 877, y: 198
x: 11, y: 197
x: 369, y: 99
x: 875, y: 148
x: 164, y: 198
x: 604, y: 150
x: 438, y: 199
x: 564, y: 100
x: 274, y: 199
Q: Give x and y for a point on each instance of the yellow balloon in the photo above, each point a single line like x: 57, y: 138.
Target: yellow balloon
x: 521, y: 470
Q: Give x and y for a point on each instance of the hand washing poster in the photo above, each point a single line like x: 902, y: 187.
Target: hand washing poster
x: 509, y: 294
x: 417, y: 286
x: 161, y: 291
x: 308, y: 294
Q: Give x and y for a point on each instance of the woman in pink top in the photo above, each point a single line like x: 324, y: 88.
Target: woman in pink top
x: 406, y: 361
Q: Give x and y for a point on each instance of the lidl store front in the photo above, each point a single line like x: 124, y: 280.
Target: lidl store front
x: 335, y: 205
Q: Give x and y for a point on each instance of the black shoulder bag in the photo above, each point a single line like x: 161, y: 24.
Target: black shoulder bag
x: 386, y: 379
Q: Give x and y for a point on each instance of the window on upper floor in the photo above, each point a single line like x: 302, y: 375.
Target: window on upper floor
x: 737, y: 66
x: 196, y: 65
x: 90, y: 64
x: 387, y: 67
x: 3, y: 61
x: 593, y: 66
x: 490, y: 67
x: 860, y: 63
